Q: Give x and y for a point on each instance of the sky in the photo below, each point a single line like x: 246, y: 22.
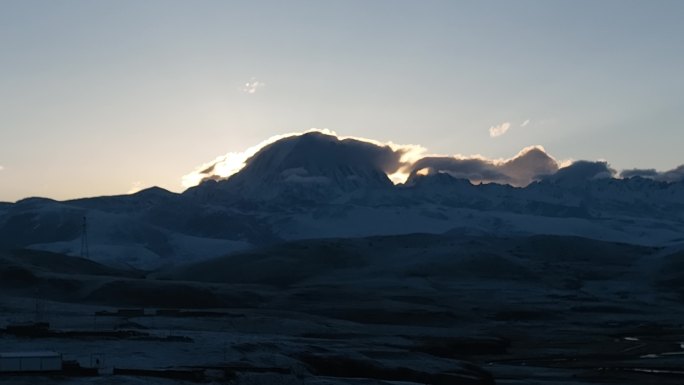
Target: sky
x: 107, y: 97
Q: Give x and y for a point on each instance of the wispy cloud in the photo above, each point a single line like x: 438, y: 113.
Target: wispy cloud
x: 252, y: 86
x: 525, y: 123
x: 2, y: 168
x: 496, y: 131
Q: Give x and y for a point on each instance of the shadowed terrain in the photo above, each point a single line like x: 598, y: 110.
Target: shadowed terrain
x: 418, y: 308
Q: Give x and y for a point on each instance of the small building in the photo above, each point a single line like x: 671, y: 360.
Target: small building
x: 30, y: 362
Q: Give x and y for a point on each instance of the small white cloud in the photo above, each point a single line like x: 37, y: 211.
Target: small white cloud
x: 2, y: 168
x: 525, y: 123
x: 135, y: 187
x: 252, y: 86
x: 496, y: 131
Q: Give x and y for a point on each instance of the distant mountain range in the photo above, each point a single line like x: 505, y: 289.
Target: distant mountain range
x: 317, y: 186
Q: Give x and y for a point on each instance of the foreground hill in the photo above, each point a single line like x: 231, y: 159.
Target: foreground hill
x: 412, y: 308
x: 544, y: 260
x: 433, y: 279
x: 423, y: 263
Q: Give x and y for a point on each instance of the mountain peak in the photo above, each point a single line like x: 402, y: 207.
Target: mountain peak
x: 312, y: 166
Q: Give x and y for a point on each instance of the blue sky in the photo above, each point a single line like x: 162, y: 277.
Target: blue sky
x: 99, y: 97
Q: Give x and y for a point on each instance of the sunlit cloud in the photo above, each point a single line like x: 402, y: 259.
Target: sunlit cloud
x: 226, y: 165
x: 423, y: 171
x: 528, y: 165
x: 496, y: 131
x: 525, y: 123
x: 404, y: 162
x: 252, y: 86
x: 135, y: 187
x: 565, y: 162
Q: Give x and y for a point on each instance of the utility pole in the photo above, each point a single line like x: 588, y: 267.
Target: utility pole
x: 40, y: 308
x: 85, y: 252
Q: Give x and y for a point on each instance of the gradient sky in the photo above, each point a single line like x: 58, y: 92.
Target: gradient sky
x: 100, y: 97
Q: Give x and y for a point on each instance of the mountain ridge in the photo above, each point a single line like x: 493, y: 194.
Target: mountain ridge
x: 317, y: 186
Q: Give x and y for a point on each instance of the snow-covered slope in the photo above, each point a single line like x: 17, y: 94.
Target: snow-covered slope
x: 129, y: 230
x: 317, y: 186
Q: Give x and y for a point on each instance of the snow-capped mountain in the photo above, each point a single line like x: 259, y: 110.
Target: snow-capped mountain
x: 310, y: 168
x: 317, y: 186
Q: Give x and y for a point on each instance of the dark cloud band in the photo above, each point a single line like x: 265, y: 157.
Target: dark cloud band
x: 531, y: 164
x: 671, y: 176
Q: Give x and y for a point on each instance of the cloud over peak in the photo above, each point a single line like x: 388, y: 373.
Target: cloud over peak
x: 582, y: 171
x: 674, y: 175
x: 396, y: 158
x: 308, y: 154
x: 398, y: 161
x: 530, y: 164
